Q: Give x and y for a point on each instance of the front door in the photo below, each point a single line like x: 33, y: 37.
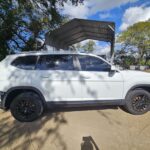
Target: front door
x: 99, y: 83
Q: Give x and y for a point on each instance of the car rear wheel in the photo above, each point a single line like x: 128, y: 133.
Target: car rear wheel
x: 138, y: 102
x: 26, y: 107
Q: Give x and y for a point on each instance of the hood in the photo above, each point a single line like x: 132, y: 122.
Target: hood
x: 131, y: 74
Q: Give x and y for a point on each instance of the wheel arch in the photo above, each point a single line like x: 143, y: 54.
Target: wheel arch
x: 139, y: 86
x: 13, y: 92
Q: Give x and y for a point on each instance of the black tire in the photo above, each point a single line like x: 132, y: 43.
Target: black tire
x: 137, y: 102
x: 26, y: 107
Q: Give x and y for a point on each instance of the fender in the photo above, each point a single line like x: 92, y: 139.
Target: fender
x: 22, y: 88
x: 142, y: 86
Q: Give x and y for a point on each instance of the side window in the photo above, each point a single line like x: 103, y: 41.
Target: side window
x: 25, y: 62
x: 90, y: 63
x: 55, y: 62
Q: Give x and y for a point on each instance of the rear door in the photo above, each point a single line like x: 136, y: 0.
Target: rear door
x: 22, y: 71
x: 98, y: 82
x: 58, y: 78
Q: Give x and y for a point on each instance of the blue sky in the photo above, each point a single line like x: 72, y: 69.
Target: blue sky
x: 123, y: 12
x: 117, y: 14
x: 119, y: 11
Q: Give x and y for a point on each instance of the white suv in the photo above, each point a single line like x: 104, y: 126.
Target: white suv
x: 29, y: 82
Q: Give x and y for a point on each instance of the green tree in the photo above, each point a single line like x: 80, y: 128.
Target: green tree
x: 137, y: 36
x: 78, y: 46
x: 89, y: 46
x: 23, y: 21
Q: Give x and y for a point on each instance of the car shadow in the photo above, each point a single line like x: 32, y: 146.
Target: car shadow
x: 78, y: 108
x: 15, y: 135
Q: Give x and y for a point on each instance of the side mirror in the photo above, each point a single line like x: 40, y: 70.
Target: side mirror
x: 113, y: 68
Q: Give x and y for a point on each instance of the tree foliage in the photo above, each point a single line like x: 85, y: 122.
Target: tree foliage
x: 23, y: 21
x: 137, y: 36
x: 89, y: 46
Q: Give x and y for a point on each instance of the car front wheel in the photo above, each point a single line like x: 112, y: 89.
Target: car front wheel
x: 26, y: 107
x: 138, y: 102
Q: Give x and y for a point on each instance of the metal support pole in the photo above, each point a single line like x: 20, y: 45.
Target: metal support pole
x: 112, y: 43
x: 112, y: 53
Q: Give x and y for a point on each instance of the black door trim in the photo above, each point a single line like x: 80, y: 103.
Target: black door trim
x: 85, y: 103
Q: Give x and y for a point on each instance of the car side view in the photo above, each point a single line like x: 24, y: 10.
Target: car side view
x: 31, y: 82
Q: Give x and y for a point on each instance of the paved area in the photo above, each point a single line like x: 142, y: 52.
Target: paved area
x: 77, y: 130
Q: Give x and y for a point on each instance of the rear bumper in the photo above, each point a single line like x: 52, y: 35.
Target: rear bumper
x: 1, y: 100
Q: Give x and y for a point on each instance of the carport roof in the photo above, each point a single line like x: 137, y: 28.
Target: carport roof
x: 78, y: 30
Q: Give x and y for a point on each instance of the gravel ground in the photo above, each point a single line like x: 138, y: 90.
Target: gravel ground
x: 110, y: 129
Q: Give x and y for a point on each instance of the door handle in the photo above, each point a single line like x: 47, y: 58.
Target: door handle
x: 44, y: 76
x: 86, y: 77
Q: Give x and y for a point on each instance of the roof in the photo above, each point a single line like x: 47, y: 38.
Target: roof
x: 31, y: 53
x: 10, y: 58
x: 78, y: 30
x: 62, y: 52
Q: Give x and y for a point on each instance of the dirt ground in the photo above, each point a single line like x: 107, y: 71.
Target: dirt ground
x: 109, y: 129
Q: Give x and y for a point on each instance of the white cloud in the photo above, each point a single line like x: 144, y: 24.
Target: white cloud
x: 104, y: 15
x: 101, y: 5
x: 92, y: 7
x: 80, y: 11
x: 133, y: 15
x: 102, y: 50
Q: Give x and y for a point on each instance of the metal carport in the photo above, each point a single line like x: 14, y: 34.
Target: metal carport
x: 78, y: 30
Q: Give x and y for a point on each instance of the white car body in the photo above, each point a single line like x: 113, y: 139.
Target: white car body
x: 70, y: 85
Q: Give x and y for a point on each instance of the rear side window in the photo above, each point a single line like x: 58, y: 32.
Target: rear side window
x: 26, y: 62
x: 90, y: 63
x: 55, y: 62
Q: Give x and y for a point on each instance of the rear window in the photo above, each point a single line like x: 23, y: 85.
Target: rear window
x: 26, y: 62
x: 55, y: 62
